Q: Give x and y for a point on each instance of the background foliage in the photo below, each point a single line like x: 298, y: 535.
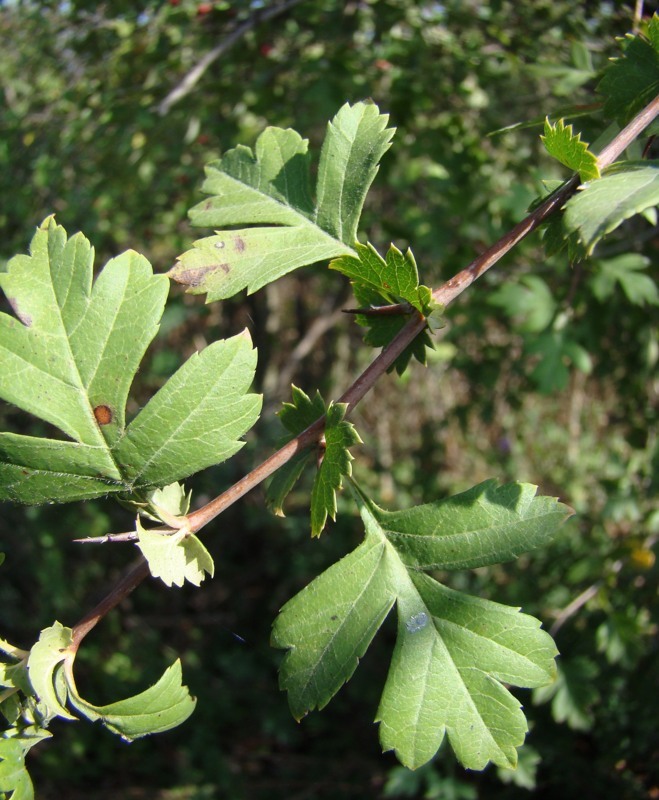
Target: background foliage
x: 551, y: 378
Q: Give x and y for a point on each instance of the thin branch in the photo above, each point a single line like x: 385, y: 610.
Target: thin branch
x: 131, y: 580
x: 127, y: 536
x: 571, y: 609
x: 195, y: 74
x: 364, y: 383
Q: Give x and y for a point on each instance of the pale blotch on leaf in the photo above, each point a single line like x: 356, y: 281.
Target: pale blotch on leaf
x: 417, y: 622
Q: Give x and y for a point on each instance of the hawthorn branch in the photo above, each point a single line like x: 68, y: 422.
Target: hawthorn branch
x: 445, y: 295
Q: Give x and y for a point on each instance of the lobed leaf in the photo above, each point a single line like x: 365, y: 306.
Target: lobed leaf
x: 630, y: 82
x: 328, y: 626
x: 14, y: 776
x: 602, y: 205
x: 377, y: 281
x: 197, y: 417
x: 269, y: 191
x: 355, y: 141
x: 44, y: 669
x: 69, y: 360
x: 626, y: 271
x: 488, y: 524
x: 565, y: 146
x: 175, y: 559
x: 453, y: 653
x: 529, y: 302
x: 164, y: 705
x: 334, y: 458
x: 302, y: 411
x: 396, y: 279
x: 340, y: 435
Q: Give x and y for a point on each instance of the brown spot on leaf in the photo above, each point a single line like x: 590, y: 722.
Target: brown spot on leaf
x: 239, y: 244
x: 195, y: 276
x: 226, y: 269
x: 208, y: 205
x: 103, y: 414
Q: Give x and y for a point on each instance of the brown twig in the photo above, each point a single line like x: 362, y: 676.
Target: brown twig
x: 131, y: 580
x: 364, y: 383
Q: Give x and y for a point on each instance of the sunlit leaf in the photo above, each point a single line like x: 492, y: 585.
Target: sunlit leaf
x: 70, y: 358
x: 396, y: 279
x: 269, y: 191
x: 44, y: 669
x: 454, y: 652
x: 176, y: 558
x: 564, y: 145
x: 164, y: 705
x: 14, y: 777
x: 602, y: 205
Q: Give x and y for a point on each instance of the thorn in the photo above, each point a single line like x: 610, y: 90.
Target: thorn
x: 396, y: 309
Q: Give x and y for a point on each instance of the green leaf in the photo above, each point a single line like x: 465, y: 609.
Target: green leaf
x: 269, y: 191
x: 302, y: 412
x: 355, y: 141
x: 487, y: 524
x: 573, y: 693
x: 329, y: 625
x: 284, y: 480
x: 171, y: 500
x: 334, y: 458
x: 14, y: 777
x: 625, y: 270
x: 565, y: 146
x: 164, y: 705
x: 68, y: 360
x: 295, y: 417
x: 44, y: 669
x: 453, y: 652
x: 396, y: 279
x: 197, y: 417
x: 377, y: 281
x: 175, y: 558
x: 630, y: 82
x: 557, y: 352
x: 381, y: 329
x: 67, y: 355
x: 631, y: 188
x: 14, y: 676
x: 529, y: 302
x: 335, y: 464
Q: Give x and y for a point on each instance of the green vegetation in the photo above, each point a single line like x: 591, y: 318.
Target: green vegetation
x: 539, y: 383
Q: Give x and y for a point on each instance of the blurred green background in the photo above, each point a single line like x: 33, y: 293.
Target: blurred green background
x: 546, y: 373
